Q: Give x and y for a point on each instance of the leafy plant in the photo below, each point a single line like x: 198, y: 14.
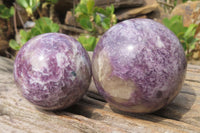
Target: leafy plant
x: 5, y: 12
x: 29, y: 5
x: 43, y: 25
x: 94, y: 20
x: 186, y: 35
x: 89, y: 42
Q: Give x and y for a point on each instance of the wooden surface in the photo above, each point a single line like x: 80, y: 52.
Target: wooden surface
x: 93, y: 115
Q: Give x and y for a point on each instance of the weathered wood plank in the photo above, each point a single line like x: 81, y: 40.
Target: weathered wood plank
x: 92, y: 114
x: 105, y: 113
x: 186, y: 105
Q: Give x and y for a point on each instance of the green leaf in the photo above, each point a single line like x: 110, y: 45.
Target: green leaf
x: 106, y: 23
x: 175, y: 24
x: 191, y: 40
x: 85, y: 23
x: 110, y: 10
x: 166, y: 22
x: 98, y: 19
x: 184, y: 46
x: 36, y: 31
x: 22, y: 3
x: 14, y: 45
x: 25, y: 36
x: 55, y: 27
x: 2, y: 7
x: 190, y: 31
x: 35, y: 4
x: 5, y: 12
x: 177, y: 18
x: 90, y: 6
x: 192, y: 46
x: 83, y: 1
x: 186, y: 35
x: 83, y: 8
x: 29, y: 5
x: 88, y: 42
x: 100, y: 10
x: 12, y: 11
x: 44, y: 25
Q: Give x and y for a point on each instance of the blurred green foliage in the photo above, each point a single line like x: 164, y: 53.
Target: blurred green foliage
x: 5, y: 12
x: 29, y: 5
x: 43, y: 25
x: 95, y: 20
x: 186, y: 35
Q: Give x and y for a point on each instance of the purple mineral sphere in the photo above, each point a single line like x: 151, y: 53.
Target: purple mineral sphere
x: 139, y: 66
x: 52, y: 70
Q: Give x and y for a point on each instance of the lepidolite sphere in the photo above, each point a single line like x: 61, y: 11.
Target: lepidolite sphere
x: 139, y: 66
x: 52, y: 70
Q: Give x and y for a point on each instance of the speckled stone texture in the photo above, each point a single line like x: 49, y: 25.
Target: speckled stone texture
x: 52, y: 70
x: 139, y: 66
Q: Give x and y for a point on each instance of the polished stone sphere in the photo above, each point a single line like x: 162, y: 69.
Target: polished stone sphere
x: 53, y: 71
x: 139, y: 66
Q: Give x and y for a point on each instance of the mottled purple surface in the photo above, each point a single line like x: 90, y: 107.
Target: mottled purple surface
x: 52, y: 70
x: 139, y: 66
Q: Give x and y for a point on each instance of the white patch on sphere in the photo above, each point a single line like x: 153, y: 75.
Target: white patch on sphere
x: 115, y: 86
x: 62, y: 60
x: 159, y: 43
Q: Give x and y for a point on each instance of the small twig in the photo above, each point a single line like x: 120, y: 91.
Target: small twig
x: 51, y: 12
x: 14, y: 21
x: 20, y: 18
x: 19, y: 15
x: 40, y: 14
x: 74, y: 4
x: 73, y: 29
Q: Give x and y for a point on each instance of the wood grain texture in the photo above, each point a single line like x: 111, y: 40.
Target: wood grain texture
x: 93, y: 115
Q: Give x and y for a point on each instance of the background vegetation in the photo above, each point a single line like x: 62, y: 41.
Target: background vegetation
x: 92, y: 19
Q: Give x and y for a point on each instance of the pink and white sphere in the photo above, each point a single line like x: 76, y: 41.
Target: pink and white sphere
x: 53, y: 71
x: 139, y: 66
